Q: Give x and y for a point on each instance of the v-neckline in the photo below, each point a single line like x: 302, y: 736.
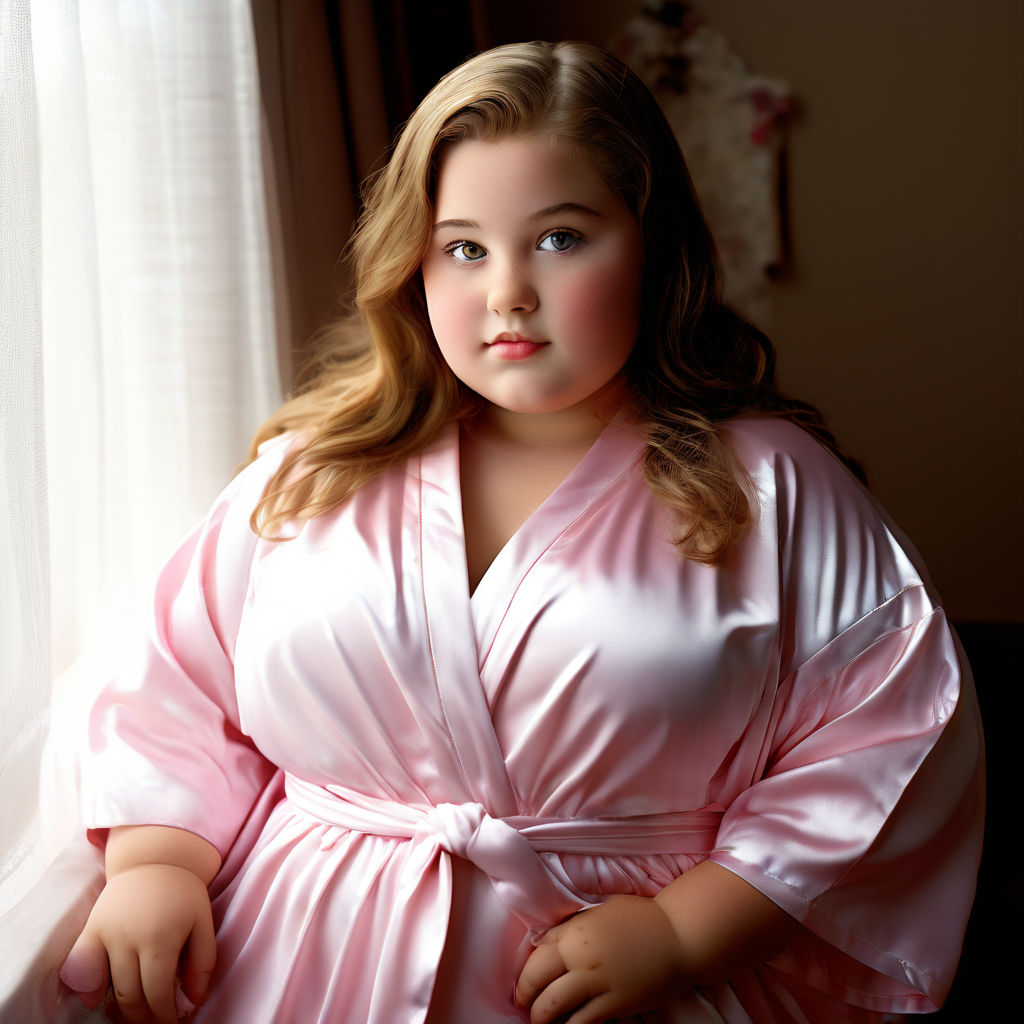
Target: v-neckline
x: 460, y: 629
x: 612, y: 452
x: 501, y: 488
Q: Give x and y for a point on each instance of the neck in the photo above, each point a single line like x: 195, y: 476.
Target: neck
x: 579, y: 425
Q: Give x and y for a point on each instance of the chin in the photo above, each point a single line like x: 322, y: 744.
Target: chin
x: 537, y: 407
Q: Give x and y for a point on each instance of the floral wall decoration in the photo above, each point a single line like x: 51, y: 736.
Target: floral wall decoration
x: 731, y: 126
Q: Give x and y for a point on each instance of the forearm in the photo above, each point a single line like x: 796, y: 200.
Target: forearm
x: 131, y: 846
x: 724, y: 925
x: 631, y: 954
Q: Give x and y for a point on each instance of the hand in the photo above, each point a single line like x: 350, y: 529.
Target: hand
x: 616, y: 960
x: 142, y: 922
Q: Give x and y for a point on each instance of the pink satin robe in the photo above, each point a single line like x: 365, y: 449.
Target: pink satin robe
x: 408, y: 783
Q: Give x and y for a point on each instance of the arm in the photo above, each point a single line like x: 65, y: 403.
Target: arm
x: 176, y: 692
x: 153, y: 914
x: 132, y: 846
x: 633, y: 953
x: 723, y: 924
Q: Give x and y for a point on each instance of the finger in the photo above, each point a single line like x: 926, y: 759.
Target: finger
x: 94, y: 998
x: 127, y: 985
x: 85, y: 969
x: 595, y: 1011
x: 541, y: 968
x: 156, y: 975
x: 200, y: 959
x: 552, y: 934
x: 564, y: 995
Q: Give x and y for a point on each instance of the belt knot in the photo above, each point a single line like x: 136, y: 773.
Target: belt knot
x: 455, y: 827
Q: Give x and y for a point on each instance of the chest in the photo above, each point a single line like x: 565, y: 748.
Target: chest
x: 364, y: 658
x: 501, y: 487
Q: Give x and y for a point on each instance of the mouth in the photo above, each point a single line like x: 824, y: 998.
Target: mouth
x: 510, y: 345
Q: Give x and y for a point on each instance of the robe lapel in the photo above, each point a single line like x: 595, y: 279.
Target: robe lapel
x: 448, y: 621
x: 459, y: 630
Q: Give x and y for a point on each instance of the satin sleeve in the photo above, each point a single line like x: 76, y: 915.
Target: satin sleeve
x: 165, y: 746
x: 866, y: 822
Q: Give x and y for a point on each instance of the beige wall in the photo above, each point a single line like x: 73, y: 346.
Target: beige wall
x: 902, y: 313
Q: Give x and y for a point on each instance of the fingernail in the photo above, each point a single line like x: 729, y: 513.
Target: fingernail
x: 94, y: 1000
x: 81, y: 977
x: 183, y: 1004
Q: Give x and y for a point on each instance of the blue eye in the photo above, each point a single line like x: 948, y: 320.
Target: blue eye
x: 465, y: 252
x: 560, y: 241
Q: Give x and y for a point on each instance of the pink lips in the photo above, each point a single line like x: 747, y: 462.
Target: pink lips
x: 514, y: 346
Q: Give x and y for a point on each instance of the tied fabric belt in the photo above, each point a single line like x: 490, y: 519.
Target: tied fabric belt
x: 507, y: 850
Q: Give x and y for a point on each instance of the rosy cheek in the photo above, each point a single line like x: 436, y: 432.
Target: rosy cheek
x: 599, y: 301
x: 577, y: 301
x: 449, y: 312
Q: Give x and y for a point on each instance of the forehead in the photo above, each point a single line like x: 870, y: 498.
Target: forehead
x: 517, y: 173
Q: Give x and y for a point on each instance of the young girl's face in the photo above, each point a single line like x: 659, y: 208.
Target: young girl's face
x: 532, y: 274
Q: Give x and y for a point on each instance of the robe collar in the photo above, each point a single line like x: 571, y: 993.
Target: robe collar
x: 460, y: 629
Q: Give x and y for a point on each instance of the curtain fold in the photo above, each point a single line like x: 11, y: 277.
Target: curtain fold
x: 24, y: 550
x: 338, y: 79
x: 138, y: 355
x: 323, y: 96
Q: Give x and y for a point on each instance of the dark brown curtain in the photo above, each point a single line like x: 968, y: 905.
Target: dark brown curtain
x: 338, y: 78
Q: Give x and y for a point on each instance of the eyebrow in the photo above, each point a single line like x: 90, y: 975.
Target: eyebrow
x: 548, y: 211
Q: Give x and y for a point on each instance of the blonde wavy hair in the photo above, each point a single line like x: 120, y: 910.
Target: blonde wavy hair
x: 380, y: 391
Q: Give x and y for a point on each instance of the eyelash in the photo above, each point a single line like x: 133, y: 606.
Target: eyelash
x: 577, y: 239
x: 453, y: 247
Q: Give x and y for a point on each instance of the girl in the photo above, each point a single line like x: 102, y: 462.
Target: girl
x: 540, y: 666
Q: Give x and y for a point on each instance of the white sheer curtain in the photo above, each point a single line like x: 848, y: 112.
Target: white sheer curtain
x: 138, y: 354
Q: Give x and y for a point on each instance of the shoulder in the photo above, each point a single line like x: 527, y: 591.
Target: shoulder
x: 798, y: 477
x: 771, y: 442
x: 839, y: 555
x: 254, y: 476
x: 232, y: 508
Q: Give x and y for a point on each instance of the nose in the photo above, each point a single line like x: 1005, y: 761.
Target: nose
x: 511, y: 290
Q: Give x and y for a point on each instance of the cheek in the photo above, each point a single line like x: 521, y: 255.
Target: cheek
x: 604, y: 304
x: 450, y: 315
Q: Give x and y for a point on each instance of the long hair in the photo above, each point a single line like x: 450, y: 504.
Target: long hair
x: 381, y: 391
